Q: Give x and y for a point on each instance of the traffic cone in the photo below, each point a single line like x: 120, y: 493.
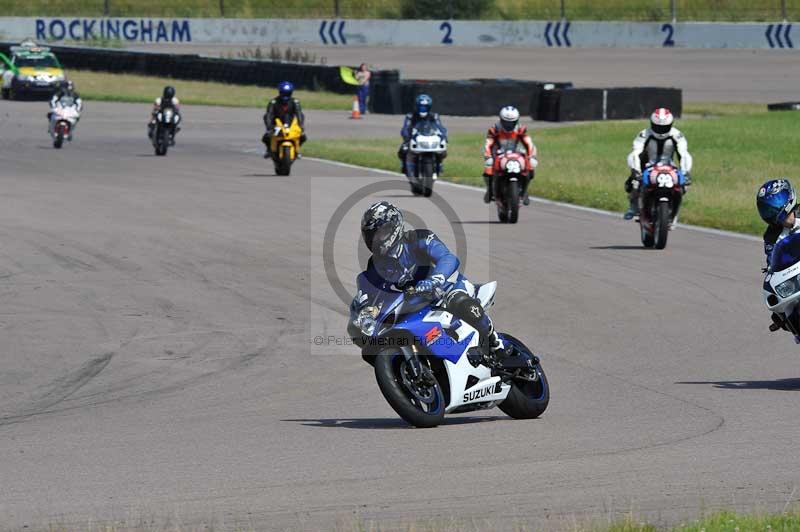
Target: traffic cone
x: 356, y: 113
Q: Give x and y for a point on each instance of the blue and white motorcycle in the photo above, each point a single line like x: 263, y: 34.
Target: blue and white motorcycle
x: 428, y: 146
x: 782, y: 285
x: 428, y: 363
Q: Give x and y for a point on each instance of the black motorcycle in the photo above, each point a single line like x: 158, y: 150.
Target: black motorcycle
x: 163, y: 134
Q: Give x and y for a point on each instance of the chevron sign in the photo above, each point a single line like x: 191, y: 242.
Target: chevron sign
x: 332, y: 32
x: 775, y: 32
x: 559, y: 32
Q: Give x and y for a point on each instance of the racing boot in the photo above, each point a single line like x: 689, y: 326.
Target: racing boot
x: 488, y: 196
x: 266, y: 140
x: 525, y: 199
x: 633, y: 208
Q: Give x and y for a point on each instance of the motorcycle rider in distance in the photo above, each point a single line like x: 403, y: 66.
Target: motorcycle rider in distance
x: 167, y: 99
x: 418, y: 259
x: 422, y: 113
x: 285, y: 107
x: 506, y: 134
x: 777, y: 205
x: 65, y: 90
x: 661, y: 141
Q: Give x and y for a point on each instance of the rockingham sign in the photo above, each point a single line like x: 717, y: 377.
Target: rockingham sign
x: 350, y: 32
x: 124, y: 29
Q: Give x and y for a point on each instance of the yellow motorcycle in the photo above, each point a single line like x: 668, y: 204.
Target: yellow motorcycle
x: 285, y: 145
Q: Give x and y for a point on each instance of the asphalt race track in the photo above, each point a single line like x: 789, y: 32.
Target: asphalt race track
x: 157, y: 324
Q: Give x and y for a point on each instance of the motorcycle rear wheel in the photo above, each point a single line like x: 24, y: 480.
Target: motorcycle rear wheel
x: 526, y: 400
x: 661, y: 225
x: 389, y: 366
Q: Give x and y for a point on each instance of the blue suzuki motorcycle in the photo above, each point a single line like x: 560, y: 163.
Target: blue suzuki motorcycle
x: 428, y: 363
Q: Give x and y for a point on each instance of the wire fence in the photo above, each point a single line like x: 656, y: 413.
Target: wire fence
x: 635, y: 10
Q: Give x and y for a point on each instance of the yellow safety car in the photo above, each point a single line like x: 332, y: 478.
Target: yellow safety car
x: 32, y: 71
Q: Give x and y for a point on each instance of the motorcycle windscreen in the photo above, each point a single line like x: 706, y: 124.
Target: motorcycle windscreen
x: 427, y: 129
x: 786, y: 253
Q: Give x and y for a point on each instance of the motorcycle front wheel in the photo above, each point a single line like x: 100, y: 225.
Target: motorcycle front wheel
x: 283, y: 166
x: 161, y: 142
x: 420, y: 404
x: 661, y: 225
x: 58, y: 141
x: 512, y: 201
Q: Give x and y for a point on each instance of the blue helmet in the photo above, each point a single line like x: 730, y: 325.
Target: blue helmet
x: 775, y: 200
x: 285, y: 90
x: 423, y: 104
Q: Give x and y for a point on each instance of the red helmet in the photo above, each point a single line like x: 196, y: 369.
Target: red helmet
x: 661, y: 122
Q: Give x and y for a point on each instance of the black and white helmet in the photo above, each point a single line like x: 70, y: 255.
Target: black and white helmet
x: 509, y: 117
x: 383, y: 230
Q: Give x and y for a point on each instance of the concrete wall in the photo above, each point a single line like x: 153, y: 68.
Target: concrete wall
x: 407, y: 32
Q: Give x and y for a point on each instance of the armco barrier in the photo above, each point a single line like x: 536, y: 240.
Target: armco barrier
x: 195, y: 67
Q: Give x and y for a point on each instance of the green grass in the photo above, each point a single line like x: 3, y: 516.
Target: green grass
x: 585, y: 164
x: 139, y: 89
x: 718, y: 522
x: 735, y: 10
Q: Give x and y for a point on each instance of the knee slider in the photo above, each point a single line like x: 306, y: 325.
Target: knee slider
x: 461, y: 304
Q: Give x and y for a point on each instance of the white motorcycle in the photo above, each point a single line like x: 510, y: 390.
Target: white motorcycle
x: 428, y: 147
x: 63, y: 118
x: 428, y: 363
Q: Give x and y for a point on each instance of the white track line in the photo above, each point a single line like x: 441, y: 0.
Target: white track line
x: 697, y: 228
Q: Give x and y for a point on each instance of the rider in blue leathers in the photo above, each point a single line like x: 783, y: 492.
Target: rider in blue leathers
x: 420, y: 260
x: 777, y: 204
x: 422, y: 113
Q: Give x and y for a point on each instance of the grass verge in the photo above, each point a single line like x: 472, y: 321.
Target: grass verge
x: 724, y: 521
x: 736, y: 10
x: 103, y: 86
x: 585, y: 164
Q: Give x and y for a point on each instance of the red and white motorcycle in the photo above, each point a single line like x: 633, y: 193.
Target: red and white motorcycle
x: 511, y: 173
x: 63, y: 117
x: 662, y: 188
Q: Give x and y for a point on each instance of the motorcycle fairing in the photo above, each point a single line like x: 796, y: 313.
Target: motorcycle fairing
x: 785, y: 266
x: 659, y: 169
x: 449, y: 341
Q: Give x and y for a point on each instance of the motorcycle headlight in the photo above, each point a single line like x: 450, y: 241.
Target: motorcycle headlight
x: 787, y: 288
x: 367, y: 320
